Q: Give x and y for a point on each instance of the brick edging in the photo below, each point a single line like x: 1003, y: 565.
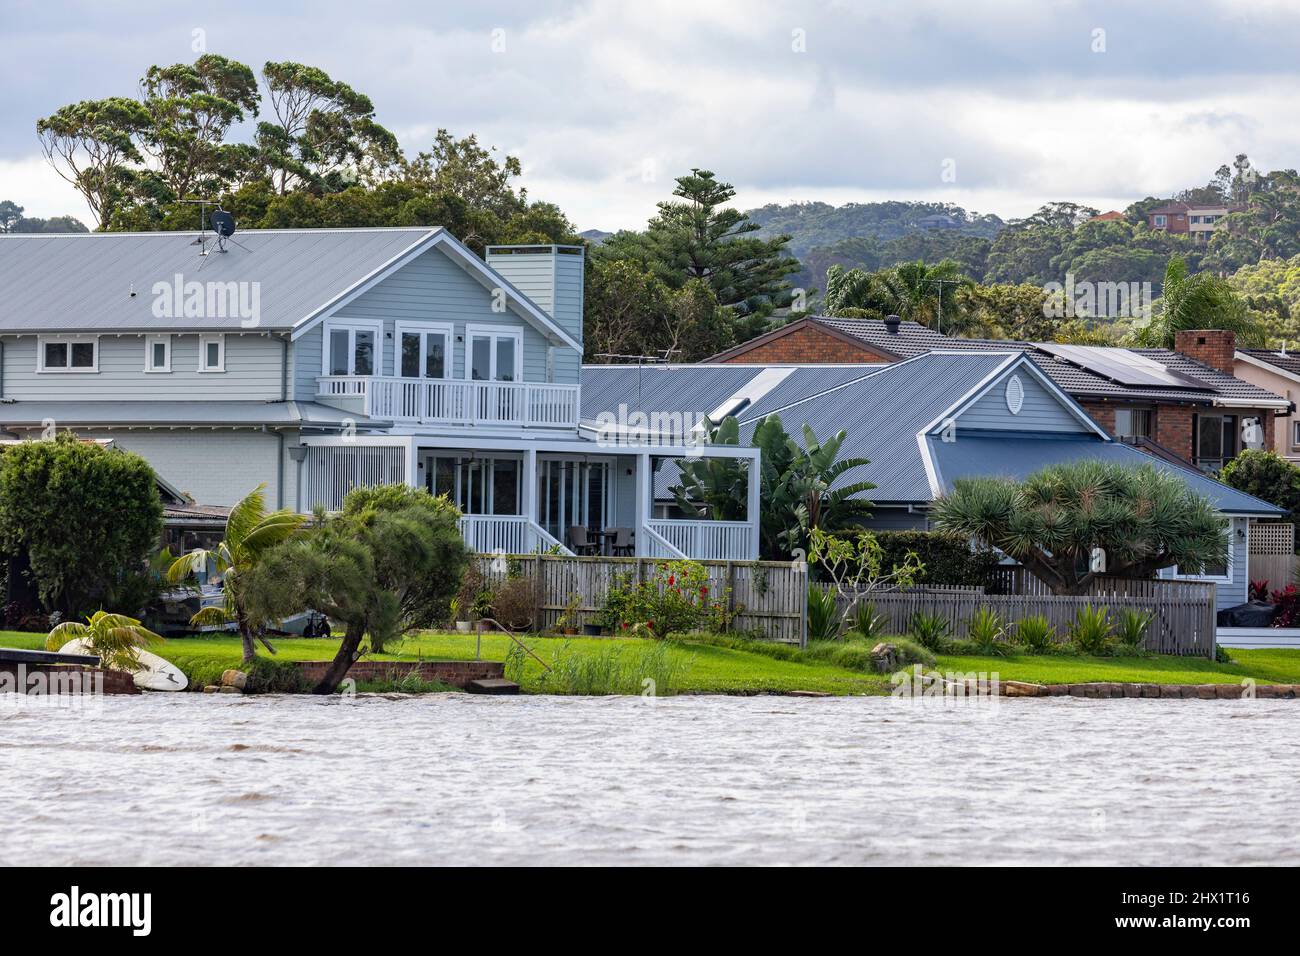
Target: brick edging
x: 1106, y: 690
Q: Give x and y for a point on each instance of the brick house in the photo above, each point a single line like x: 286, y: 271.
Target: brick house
x: 1184, y: 403
x: 1276, y: 371
x: 1199, y: 220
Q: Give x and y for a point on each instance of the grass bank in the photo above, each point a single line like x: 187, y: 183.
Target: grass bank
x: 719, y: 666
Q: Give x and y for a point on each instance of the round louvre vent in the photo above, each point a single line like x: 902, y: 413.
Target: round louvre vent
x: 1015, y: 395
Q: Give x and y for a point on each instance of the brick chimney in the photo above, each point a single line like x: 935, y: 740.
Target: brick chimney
x: 1214, y: 347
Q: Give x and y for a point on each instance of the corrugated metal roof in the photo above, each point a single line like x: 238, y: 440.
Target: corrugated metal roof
x: 84, y: 282
x: 697, y: 389
x: 882, y: 414
x: 201, y: 414
x: 1010, y: 457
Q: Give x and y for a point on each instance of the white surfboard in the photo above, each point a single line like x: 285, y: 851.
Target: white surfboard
x: 154, y: 673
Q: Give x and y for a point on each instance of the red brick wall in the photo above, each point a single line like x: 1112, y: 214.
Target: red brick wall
x: 1173, y: 429
x: 1214, y: 347
x: 65, y: 679
x: 456, y: 673
x: 1103, y: 413
x: 808, y: 346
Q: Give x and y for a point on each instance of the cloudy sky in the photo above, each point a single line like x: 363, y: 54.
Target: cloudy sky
x: 1018, y: 102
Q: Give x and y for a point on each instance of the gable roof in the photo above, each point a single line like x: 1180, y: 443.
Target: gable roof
x: 1287, y: 363
x: 104, y: 281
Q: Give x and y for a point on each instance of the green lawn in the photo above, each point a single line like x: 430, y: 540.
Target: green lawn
x: 702, y: 668
x: 1265, y: 666
x: 710, y: 668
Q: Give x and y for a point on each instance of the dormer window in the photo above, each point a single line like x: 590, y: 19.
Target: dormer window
x: 67, y: 354
x: 158, y: 353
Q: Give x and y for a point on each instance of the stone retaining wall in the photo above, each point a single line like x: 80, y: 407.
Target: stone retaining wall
x: 1106, y: 691
x: 455, y: 673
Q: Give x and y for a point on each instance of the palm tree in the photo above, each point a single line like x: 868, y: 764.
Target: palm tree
x: 924, y: 293
x: 1197, y: 301
x: 115, y: 638
x: 250, y: 533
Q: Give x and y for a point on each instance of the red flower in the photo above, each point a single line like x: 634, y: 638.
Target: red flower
x: 650, y: 624
x: 704, y: 589
x: 625, y: 625
x: 672, y: 579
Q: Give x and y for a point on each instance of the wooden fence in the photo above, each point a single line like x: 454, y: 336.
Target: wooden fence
x: 1272, y: 553
x: 765, y: 597
x: 1183, y: 622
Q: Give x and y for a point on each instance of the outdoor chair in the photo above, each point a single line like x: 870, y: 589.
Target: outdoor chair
x: 621, y: 543
x: 580, y: 542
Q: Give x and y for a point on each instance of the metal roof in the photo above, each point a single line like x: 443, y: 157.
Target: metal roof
x: 1009, y: 457
x: 181, y: 414
x: 695, y: 389
x: 84, y: 282
x: 882, y: 413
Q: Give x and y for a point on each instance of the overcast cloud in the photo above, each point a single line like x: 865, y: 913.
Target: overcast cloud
x: 604, y: 102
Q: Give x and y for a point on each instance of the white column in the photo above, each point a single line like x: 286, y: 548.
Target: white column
x: 528, y: 496
x: 643, y: 501
x: 753, y: 506
x: 412, y: 463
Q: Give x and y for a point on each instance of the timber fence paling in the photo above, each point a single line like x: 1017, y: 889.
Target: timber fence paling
x: 1182, y: 622
x: 766, y: 597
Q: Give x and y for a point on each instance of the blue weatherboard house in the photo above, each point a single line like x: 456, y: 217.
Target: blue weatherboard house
x: 314, y: 361
x: 924, y: 424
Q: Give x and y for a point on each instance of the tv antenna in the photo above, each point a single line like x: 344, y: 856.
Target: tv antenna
x: 220, y: 222
x: 663, y: 358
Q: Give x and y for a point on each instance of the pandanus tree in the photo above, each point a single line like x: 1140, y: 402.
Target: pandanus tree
x: 387, y: 563
x: 251, y: 533
x: 1142, y: 519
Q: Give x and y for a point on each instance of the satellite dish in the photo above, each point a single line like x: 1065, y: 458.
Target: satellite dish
x: 223, y: 223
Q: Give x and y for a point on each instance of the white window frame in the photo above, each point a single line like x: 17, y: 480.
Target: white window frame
x: 445, y: 329
x: 204, y: 341
x: 1295, y: 434
x: 69, y: 340
x: 1225, y: 578
x: 515, y: 332
x: 1161, y: 221
x: 149, y: 342
x: 352, y: 326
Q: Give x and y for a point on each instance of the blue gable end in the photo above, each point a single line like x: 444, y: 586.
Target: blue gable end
x: 1019, y: 401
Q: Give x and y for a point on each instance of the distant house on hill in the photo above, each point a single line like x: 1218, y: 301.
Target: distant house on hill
x: 938, y: 221
x: 1199, y: 220
x: 1111, y: 216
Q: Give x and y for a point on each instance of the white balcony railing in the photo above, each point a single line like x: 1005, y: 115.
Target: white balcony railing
x: 456, y: 401
x: 507, y: 534
x: 703, y: 540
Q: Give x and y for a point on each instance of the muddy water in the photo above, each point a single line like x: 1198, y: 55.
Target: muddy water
x: 164, y: 779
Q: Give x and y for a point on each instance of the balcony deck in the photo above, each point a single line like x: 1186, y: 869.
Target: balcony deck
x: 444, y: 401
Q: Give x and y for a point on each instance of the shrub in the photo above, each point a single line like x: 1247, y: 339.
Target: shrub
x: 823, y: 618
x: 1288, y: 607
x: 652, y: 668
x: 677, y: 599
x: 1092, y: 631
x: 1131, y: 630
x: 946, y: 559
x: 987, y: 631
x: 515, y: 603
x: 79, y: 515
x: 856, y: 655
x: 471, y: 583
x: 266, y: 676
x: 1035, y: 633
x: 1258, y: 590
x: 930, y: 631
x: 865, y: 624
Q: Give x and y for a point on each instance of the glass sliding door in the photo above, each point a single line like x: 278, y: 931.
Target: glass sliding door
x: 573, y: 494
x: 478, y: 486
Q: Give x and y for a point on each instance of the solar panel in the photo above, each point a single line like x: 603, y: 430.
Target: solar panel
x: 1122, y: 366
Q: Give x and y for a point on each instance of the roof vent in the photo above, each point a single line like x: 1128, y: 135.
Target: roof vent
x: 892, y: 322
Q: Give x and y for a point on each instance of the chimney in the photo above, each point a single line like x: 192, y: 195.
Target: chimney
x: 892, y: 322
x: 1214, y: 347
x: 549, y: 275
